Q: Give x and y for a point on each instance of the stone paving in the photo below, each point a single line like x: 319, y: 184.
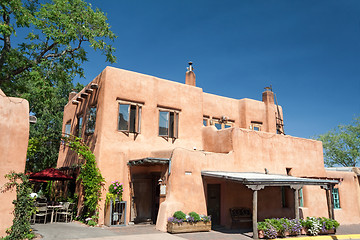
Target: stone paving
x: 75, y: 230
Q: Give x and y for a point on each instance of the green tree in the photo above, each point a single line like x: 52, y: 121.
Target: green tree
x: 42, y: 51
x: 342, y: 145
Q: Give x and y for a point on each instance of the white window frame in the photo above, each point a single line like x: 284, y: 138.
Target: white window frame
x: 175, y: 128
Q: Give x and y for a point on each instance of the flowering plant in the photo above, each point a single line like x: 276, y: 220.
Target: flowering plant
x: 115, y: 191
x: 180, y: 217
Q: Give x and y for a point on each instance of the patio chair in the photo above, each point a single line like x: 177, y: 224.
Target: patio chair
x: 41, y: 212
x: 66, y: 212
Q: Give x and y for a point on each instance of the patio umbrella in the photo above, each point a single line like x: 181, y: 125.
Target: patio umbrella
x: 50, y: 174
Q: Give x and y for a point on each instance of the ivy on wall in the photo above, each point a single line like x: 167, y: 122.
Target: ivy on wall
x: 91, y: 179
x: 24, y: 206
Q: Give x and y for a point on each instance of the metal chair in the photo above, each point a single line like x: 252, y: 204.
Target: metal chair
x: 65, y: 212
x: 41, y: 212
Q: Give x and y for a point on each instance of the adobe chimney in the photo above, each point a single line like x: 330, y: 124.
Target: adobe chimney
x: 190, y: 78
x: 268, y: 95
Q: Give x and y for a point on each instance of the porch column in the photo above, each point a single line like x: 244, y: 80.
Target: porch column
x: 296, y: 198
x: 255, y: 189
x: 328, y: 189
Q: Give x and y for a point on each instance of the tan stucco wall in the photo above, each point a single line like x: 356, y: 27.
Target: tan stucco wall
x: 232, y: 149
x: 14, y: 129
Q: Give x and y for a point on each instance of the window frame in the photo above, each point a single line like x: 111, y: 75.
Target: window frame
x: 336, y: 198
x: 67, y: 131
x: 301, y: 197
x: 79, y: 126
x: 88, y: 118
x: 136, y: 128
x: 256, y: 124
x: 174, y: 134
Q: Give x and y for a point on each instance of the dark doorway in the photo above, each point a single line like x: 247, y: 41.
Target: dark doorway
x: 213, y: 203
x: 146, y: 197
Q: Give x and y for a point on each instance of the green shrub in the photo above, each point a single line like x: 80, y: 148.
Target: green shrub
x: 195, y: 216
x: 180, y: 215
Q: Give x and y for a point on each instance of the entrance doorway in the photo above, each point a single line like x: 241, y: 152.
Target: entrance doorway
x: 146, y: 198
x: 213, y: 203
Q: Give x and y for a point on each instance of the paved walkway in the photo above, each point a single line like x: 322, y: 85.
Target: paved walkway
x: 75, y: 230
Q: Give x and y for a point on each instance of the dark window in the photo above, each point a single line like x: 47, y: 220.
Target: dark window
x: 79, y: 126
x: 129, y: 118
x: 91, y: 120
x: 168, y: 124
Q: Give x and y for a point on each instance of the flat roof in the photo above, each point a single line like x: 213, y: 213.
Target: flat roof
x: 249, y: 178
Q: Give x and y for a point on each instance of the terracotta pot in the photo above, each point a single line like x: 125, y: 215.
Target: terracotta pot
x: 261, y: 234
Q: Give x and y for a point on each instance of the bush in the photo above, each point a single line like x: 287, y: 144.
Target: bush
x: 180, y: 215
x: 195, y: 217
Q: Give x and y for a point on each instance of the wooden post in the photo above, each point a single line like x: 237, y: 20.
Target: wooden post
x: 254, y: 217
x: 255, y: 189
x: 329, y: 201
x: 296, y: 199
x: 332, y: 202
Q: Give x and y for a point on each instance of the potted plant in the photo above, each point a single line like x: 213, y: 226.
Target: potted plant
x: 193, y: 222
x: 328, y: 226
x: 115, y: 192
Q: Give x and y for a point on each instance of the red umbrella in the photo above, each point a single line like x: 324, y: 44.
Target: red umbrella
x: 50, y: 174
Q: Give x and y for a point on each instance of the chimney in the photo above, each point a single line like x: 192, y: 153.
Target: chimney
x: 72, y: 94
x: 190, y: 78
x: 268, y: 95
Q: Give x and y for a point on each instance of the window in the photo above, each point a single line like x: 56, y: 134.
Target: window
x: 168, y: 123
x: 91, y: 120
x: 129, y: 117
x: 301, y: 198
x: 206, y: 120
x: 336, y: 199
x: 67, y: 129
x: 256, y: 126
x: 222, y: 124
x: 79, y: 125
x: 283, y: 197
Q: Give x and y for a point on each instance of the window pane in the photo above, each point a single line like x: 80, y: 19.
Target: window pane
x: 301, y: 201
x: 205, y: 122
x: 67, y: 129
x: 123, y: 117
x: 91, y: 120
x: 171, y: 125
x: 132, y: 118
x: 227, y: 126
x: 218, y: 126
x: 256, y: 128
x: 163, y: 123
x: 79, y: 130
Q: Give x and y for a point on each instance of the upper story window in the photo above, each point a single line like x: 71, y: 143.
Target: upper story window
x: 336, y: 198
x: 206, y: 121
x: 67, y: 129
x: 222, y: 123
x: 79, y: 126
x: 256, y: 126
x: 91, y: 120
x: 168, y: 123
x: 129, y: 119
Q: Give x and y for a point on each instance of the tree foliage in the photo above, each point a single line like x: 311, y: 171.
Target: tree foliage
x: 342, y: 145
x: 42, y: 50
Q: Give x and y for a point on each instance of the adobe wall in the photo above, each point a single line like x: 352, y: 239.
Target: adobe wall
x: 250, y: 152
x: 14, y: 129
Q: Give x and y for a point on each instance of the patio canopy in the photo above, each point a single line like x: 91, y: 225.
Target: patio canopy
x: 50, y: 174
x: 267, y: 179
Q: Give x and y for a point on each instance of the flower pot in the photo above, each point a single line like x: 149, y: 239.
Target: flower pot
x: 188, y: 227
x: 331, y: 231
x: 261, y: 234
x: 303, y: 231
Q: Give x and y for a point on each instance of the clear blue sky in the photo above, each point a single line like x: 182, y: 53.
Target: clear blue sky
x: 308, y: 50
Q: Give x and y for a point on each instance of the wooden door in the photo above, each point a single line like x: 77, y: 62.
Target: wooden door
x: 213, y: 203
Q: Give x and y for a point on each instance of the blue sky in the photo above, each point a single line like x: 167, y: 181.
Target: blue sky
x: 309, y: 51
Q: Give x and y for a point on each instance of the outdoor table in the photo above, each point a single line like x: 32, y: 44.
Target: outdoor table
x: 53, y: 208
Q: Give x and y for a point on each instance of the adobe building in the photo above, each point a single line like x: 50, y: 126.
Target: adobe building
x: 14, y: 137
x: 175, y: 147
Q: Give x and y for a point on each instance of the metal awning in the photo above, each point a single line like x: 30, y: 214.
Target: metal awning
x: 248, y: 178
x: 149, y: 161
